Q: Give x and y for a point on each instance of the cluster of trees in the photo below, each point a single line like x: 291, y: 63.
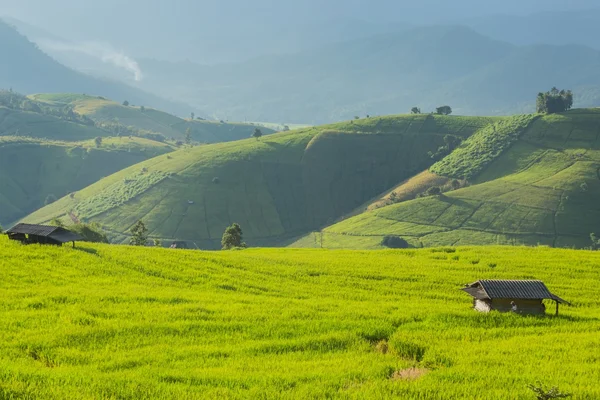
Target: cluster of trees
x: 451, y: 142
x: 443, y: 110
x: 232, y: 237
x: 554, y: 101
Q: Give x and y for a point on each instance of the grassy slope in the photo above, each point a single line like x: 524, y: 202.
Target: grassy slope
x: 118, y: 322
x: 32, y: 169
x: 543, y: 189
x: 283, y: 185
x: 23, y: 123
x: 100, y: 109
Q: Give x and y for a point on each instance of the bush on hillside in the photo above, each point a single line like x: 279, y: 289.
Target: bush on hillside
x: 554, y: 101
x: 90, y: 232
x: 126, y: 103
x: 415, y: 110
x: 139, y: 234
x: 443, y: 110
x: 394, y: 242
x: 232, y: 238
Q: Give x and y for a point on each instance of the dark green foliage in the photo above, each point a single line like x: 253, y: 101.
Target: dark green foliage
x: 433, y: 191
x: 554, y: 101
x: 286, y: 128
x: 157, y: 243
x: 232, y: 238
x: 443, y: 110
x: 139, y: 234
x: 394, y: 242
x: 126, y: 103
x: 257, y: 134
x: 98, y: 141
x: 451, y: 142
x: 546, y: 393
x: 415, y: 110
x: 479, y: 150
x: 90, y: 232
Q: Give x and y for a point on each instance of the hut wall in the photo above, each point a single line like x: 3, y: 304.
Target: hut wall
x: 482, y: 305
x: 523, y: 306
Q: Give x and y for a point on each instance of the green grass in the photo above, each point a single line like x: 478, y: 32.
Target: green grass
x: 276, y: 188
x: 41, y: 126
x: 105, y: 321
x: 149, y: 119
x: 535, y: 182
x: 33, y: 169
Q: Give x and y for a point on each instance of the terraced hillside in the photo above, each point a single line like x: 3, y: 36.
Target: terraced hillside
x: 103, y: 110
x: 35, y: 171
x: 281, y: 186
x: 534, y: 180
x: 122, y: 322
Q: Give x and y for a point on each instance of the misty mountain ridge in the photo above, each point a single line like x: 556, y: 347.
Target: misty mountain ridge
x: 383, y: 74
x: 29, y: 70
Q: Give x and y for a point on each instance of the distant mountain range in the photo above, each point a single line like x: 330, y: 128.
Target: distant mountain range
x: 25, y: 68
x: 384, y: 74
x: 377, y: 71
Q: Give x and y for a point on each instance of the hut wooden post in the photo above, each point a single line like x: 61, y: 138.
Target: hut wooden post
x: 556, y: 308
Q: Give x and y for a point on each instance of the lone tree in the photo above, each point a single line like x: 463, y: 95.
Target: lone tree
x: 126, y: 103
x: 232, y: 237
x: 443, y: 110
x: 98, y: 141
x: 554, y: 101
x: 139, y: 234
x: 192, y: 115
x: 257, y: 134
x: 415, y: 110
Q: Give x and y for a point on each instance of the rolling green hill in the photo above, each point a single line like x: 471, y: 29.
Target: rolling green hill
x: 533, y: 180
x: 105, y: 321
x: 34, y: 171
x: 102, y: 110
x: 279, y: 187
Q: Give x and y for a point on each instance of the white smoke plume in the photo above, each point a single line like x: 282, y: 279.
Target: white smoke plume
x: 100, y: 50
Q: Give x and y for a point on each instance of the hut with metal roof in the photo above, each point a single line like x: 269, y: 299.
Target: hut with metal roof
x: 522, y: 296
x: 42, y: 234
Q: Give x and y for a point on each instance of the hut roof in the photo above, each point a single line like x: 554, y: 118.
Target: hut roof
x: 56, y: 233
x: 510, y: 289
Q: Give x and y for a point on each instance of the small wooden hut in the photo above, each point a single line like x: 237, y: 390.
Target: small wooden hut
x: 42, y: 234
x: 527, y: 296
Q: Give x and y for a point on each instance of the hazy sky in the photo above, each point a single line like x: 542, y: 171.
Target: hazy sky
x: 169, y: 28
x: 97, y: 16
